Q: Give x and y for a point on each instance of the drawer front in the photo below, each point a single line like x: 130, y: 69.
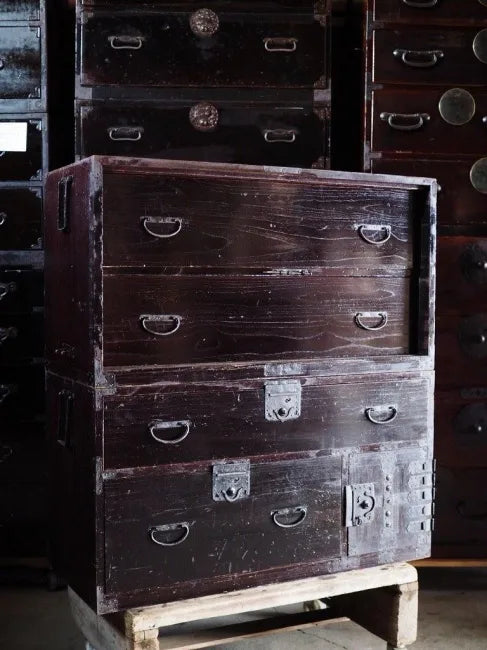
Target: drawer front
x: 429, y: 56
x: 206, y: 538
x: 20, y: 61
x: 461, y: 512
x: 461, y: 349
x: 178, y: 424
x: 20, y: 10
x: 20, y: 218
x: 461, y: 426
x: 20, y: 291
x: 461, y: 274
x: 430, y: 11
x: 221, y: 318
x: 21, y: 338
x: 460, y: 202
x: 212, y: 130
x: 250, y: 223
x: 25, y: 160
x: 23, y: 459
x: 202, y: 48
x: 410, y: 121
x: 21, y: 393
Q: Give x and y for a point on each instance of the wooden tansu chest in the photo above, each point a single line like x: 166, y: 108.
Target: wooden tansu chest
x: 240, y: 375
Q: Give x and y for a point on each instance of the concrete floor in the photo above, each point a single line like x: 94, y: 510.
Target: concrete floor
x: 453, y: 616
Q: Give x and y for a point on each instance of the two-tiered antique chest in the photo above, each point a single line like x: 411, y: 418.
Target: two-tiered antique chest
x: 427, y: 115
x: 240, y: 375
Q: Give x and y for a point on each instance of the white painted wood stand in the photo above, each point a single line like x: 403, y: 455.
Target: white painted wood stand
x: 384, y: 600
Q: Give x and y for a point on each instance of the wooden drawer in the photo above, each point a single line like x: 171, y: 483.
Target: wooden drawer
x: 23, y: 459
x: 410, y: 121
x: 206, y: 129
x: 427, y: 56
x: 21, y: 338
x: 462, y: 274
x: 432, y: 11
x: 461, y: 352
x: 461, y: 512
x: 21, y: 61
x: 159, y: 424
x: 20, y: 290
x: 461, y: 426
x: 20, y: 218
x: 21, y: 393
x: 21, y: 10
x: 30, y: 162
x: 220, y: 538
x: 224, y: 318
x: 201, y: 48
x: 459, y: 202
x: 149, y: 221
x: 273, y: 6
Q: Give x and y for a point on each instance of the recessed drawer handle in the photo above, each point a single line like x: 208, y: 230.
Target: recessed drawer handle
x: 6, y: 288
x: 125, y: 133
x: 298, y: 514
x: 5, y: 391
x: 175, y: 223
x: 381, y: 315
x: 366, y: 228
x: 7, y: 333
x: 159, y: 426
x: 419, y: 58
x: 170, y: 321
x: 369, y: 414
x: 405, y: 121
x: 125, y: 42
x: 280, y: 44
x: 3, y: 218
x: 182, y: 528
x: 280, y: 135
x: 417, y: 4
x: 471, y: 514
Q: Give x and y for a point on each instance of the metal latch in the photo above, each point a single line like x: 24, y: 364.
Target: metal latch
x: 282, y: 400
x: 231, y: 481
x: 359, y: 504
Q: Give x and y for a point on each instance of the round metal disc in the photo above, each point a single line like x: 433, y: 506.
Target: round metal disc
x: 480, y: 46
x: 478, y: 175
x: 457, y: 106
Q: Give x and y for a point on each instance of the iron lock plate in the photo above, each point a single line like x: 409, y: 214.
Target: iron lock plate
x: 359, y: 504
x: 231, y: 481
x: 282, y: 400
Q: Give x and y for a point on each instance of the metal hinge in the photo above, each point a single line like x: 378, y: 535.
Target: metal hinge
x: 359, y: 504
x: 231, y: 481
x: 282, y: 400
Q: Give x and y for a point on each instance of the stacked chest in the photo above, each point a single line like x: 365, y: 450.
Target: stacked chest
x: 240, y: 375
x: 427, y: 114
x: 227, y: 81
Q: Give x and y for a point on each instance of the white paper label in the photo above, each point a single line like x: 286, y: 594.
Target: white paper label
x: 13, y: 136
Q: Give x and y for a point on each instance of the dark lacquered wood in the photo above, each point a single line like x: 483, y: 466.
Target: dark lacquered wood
x: 21, y: 10
x: 446, y: 55
x: 435, y: 136
x: 455, y: 366
x: 21, y: 290
x: 459, y: 203
x: 23, y: 337
x: 235, y: 55
x: 248, y: 224
x: 21, y: 210
x: 318, y: 6
x: 462, y: 278
x: 333, y: 415
x: 443, y: 11
x: 31, y: 164
x: 21, y: 394
x: 164, y: 130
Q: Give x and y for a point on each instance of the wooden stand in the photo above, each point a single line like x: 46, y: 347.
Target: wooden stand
x: 384, y: 600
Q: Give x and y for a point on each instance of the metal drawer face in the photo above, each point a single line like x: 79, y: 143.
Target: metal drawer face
x: 20, y: 62
x: 21, y: 338
x: 22, y: 394
x: 20, y: 218
x: 25, y: 156
x: 20, y: 10
x: 430, y: 11
x: 21, y: 291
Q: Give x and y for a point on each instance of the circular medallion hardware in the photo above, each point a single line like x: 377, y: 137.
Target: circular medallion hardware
x: 204, y: 117
x: 204, y: 23
x: 457, y: 106
x: 474, y: 263
x: 480, y: 46
x: 478, y: 175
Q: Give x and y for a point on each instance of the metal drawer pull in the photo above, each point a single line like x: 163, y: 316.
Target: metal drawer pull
x: 7, y: 287
x: 125, y: 133
x: 382, y: 315
x: 169, y: 320
x: 123, y: 42
x: 373, y: 409
x: 280, y: 135
x: 5, y: 391
x: 171, y: 221
x: 419, y: 58
x: 417, y: 4
x: 3, y: 218
x: 158, y: 425
x: 411, y: 121
x: 280, y: 44
x: 183, y: 527
x: 364, y: 228
x: 204, y: 23
x: 463, y: 511
x: 7, y: 333
x: 300, y: 512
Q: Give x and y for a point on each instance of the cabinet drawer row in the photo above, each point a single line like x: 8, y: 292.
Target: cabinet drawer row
x: 23, y: 146
x: 21, y: 225
x: 430, y: 11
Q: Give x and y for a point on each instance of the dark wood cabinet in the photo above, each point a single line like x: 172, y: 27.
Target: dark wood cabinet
x: 237, y: 356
